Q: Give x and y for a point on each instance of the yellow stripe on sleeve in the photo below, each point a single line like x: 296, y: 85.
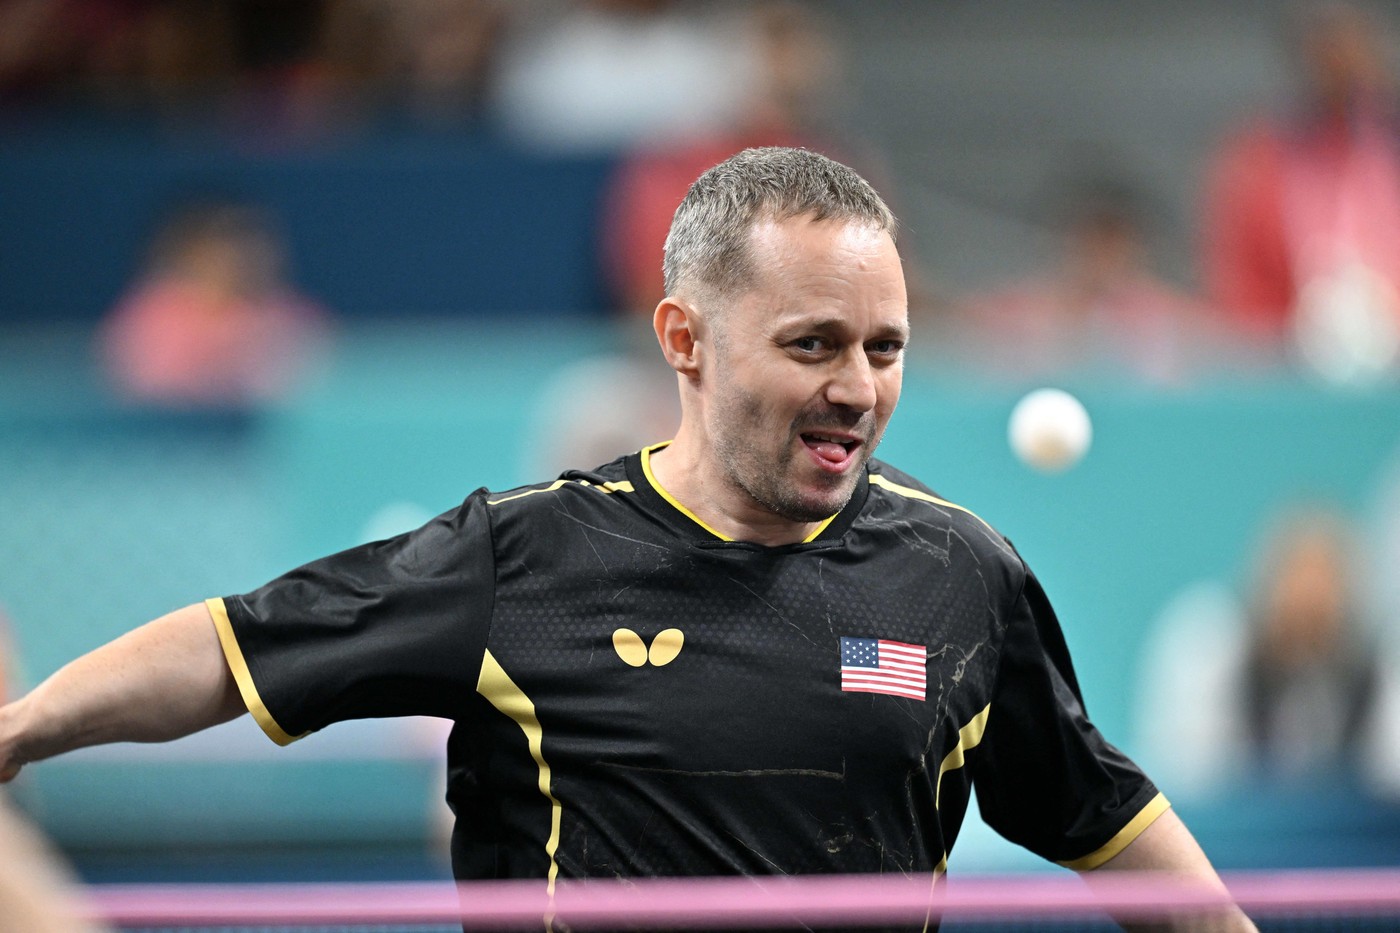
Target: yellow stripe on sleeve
x: 233, y: 654
x: 1145, y: 818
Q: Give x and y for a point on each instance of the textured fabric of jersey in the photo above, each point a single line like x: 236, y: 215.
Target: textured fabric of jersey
x: 635, y: 696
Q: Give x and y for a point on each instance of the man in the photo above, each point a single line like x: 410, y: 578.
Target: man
x: 751, y: 650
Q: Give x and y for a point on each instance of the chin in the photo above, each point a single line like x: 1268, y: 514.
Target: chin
x: 820, y: 507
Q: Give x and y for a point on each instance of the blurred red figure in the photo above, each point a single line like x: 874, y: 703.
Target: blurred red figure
x: 1302, y: 212
x: 212, y: 323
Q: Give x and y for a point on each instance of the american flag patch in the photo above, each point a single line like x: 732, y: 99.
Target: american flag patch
x: 875, y: 665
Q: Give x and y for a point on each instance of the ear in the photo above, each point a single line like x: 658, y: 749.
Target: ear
x: 679, y: 330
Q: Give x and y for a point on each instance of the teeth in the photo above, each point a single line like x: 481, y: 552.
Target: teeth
x: 828, y: 437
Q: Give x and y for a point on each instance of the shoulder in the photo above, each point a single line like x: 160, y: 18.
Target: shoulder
x: 893, y: 484
x: 897, y: 492
x: 586, y: 485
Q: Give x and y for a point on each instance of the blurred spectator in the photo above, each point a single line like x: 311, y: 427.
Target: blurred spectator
x: 1285, y: 683
x: 169, y: 58
x: 1302, y: 210
x: 1310, y: 676
x: 264, y: 67
x: 161, y: 56
x: 41, y: 45
x: 212, y: 322
x: 1100, y: 307
x: 444, y: 56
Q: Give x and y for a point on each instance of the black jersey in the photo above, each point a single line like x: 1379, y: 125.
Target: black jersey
x: 635, y: 695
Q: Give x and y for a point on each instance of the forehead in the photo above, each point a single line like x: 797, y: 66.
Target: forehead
x: 800, y: 263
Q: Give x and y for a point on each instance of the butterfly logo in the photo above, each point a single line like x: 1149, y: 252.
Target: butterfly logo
x: 633, y: 651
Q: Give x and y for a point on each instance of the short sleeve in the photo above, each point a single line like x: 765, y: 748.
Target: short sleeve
x: 392, y: 628
x: 1045, y: 777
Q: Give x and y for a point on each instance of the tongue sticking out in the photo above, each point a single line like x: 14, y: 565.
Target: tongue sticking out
x: 827, y: 450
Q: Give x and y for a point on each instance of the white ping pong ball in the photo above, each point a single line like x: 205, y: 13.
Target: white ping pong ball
x: 1050, y: 430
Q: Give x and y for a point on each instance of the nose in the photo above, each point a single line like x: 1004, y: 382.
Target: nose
x: 852, y: 383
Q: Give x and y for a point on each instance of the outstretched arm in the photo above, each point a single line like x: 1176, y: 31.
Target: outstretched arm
x: 161, y: 681
x: 1168, y: 847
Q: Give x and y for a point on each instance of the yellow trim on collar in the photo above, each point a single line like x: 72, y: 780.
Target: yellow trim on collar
x: 661, y: 491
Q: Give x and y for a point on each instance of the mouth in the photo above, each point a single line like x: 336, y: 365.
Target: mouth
x: 831, y: 451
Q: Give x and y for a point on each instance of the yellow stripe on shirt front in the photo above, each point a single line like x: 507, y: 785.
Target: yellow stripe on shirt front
x: 505, y: 695
x: 969, y: 737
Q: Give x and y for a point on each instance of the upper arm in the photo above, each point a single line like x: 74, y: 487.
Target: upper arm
x: 171, y: 676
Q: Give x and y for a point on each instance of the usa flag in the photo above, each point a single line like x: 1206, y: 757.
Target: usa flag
x: 875, y: 665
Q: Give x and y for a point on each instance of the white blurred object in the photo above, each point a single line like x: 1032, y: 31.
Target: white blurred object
x: 1050, y: 430
x: 592, y: 78
x: 1347, y: 326
x: 1190, y: 733
x: 599, y: 408
x: 394, y: 518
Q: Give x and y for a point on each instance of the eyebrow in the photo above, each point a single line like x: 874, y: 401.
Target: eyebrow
x: 829, y: 323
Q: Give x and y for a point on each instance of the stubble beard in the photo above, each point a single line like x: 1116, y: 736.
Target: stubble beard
x: 766, y: 483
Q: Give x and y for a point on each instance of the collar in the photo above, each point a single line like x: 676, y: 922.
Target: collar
x: 691, y: 526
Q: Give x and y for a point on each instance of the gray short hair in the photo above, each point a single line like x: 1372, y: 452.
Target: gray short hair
x: 708, y: 245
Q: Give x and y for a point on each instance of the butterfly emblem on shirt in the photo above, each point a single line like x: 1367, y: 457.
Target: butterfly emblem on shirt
x: 633, y: 651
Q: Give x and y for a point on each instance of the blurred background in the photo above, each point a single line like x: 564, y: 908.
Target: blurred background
x: 277, y: 278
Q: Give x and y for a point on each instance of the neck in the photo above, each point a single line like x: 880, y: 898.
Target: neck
x: 694, y: 483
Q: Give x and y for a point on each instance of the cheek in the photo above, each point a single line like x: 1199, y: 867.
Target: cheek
x: 776, y: 388
x: 890, y: 385
x: 741, y: 404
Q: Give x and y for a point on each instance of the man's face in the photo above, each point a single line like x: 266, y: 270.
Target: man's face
x: 807, y: 366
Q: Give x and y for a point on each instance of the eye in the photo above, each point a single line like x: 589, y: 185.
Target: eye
x: 809, y: 344
x: 886, y: 347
